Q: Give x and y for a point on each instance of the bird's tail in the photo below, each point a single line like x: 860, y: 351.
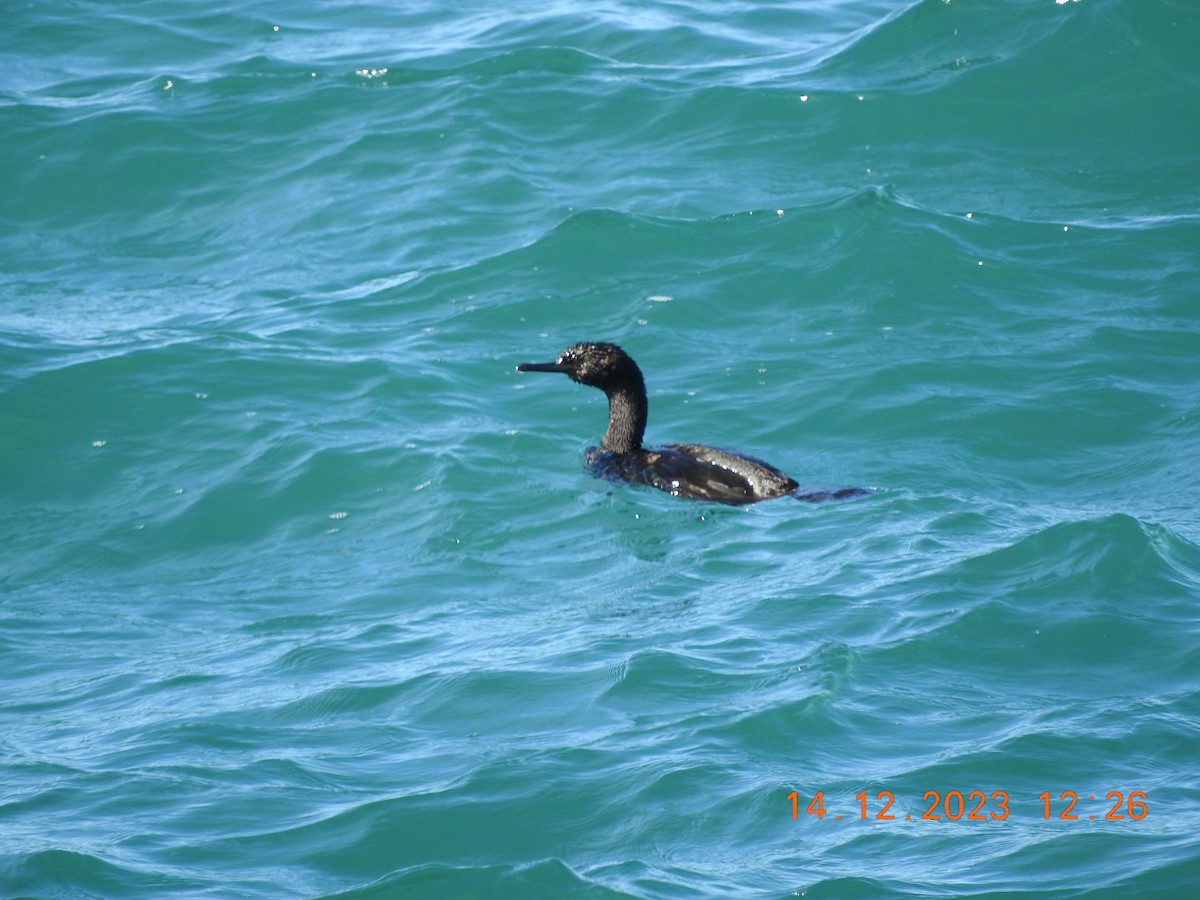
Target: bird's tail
x: 821, y: 495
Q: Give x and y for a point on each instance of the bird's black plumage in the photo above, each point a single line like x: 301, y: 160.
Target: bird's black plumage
x: 696, y: 471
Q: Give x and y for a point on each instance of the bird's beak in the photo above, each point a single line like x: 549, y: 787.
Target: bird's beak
x: 542, y: 367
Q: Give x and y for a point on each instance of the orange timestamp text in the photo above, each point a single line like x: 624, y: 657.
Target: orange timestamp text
x: 978, y: 806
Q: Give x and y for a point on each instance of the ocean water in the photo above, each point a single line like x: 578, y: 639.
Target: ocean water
x: 304, y: 591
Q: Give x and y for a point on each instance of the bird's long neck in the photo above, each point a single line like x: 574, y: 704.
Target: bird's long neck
x: 626, y: 419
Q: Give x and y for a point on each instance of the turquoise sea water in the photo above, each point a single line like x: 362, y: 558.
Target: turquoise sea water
x: 305, y: 593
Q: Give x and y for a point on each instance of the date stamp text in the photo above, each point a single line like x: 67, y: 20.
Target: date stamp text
x: 975, y: 806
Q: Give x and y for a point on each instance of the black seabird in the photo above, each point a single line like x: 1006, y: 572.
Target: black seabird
x: 696, y: 471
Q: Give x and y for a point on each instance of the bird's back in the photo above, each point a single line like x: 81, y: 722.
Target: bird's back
x: 696, y: 471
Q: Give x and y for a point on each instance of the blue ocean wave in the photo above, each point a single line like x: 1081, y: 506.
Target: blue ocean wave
x: 306, y: 592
